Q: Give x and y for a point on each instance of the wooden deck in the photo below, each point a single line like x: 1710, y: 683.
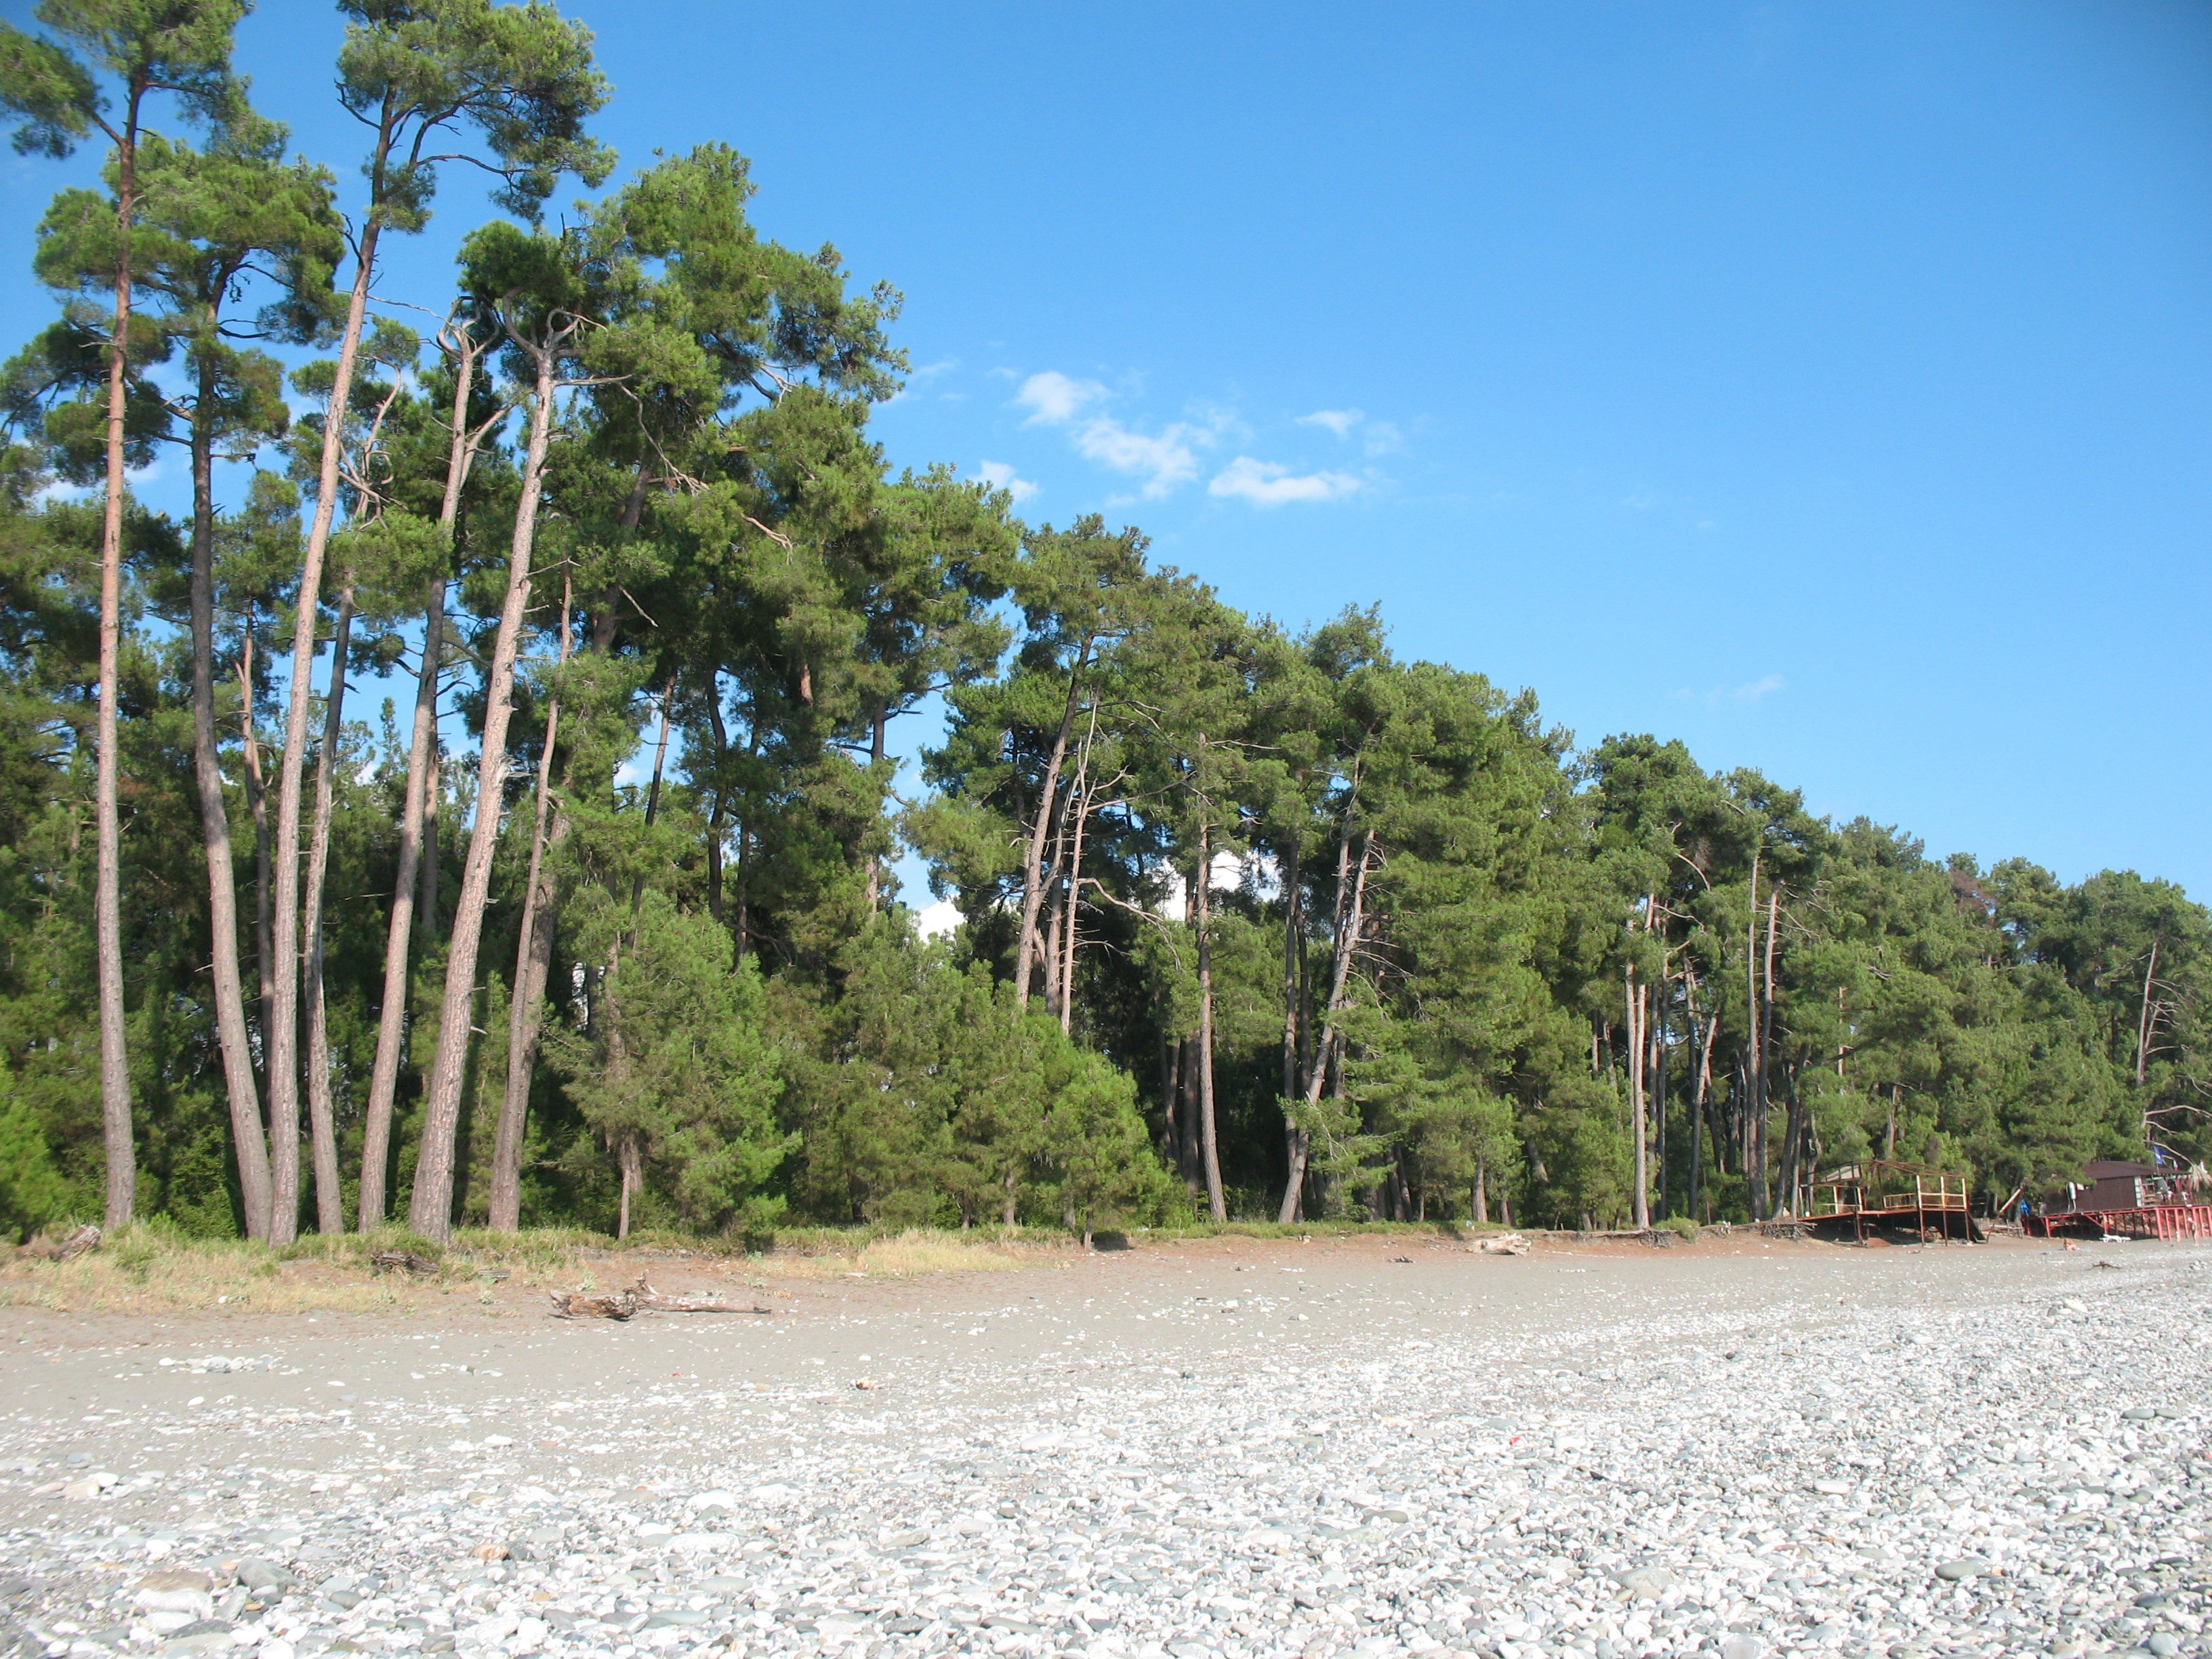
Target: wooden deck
x: 2151, y: 1221
x: 1879, y: 1198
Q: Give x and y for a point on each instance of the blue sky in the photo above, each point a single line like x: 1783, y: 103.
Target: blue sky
x: 1830, y: 387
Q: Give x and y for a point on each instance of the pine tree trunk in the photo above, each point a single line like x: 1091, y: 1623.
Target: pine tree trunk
x: 247, y: 1137
x: 1655, y: 1071
x: 1704, y: 1090
x: 430, y: 1209
x: 631, y: 1163
x: 1765, y: 1053
x: 1033, y: 855
x: 283, y: 1038
x: 1209, y: 1142
x: 2144, y: 1022
x: 1639, y: 1206
x: 1294, y: 1137
x: 1082, y: 813
x: 418, y: 848
x: 534, y: 962
x: 118, y: 1144
x: 257, y: 801
x: 1049, y: 952
x: 1754, y: 1104
x: 322, y: 1126
x: 1351, y: 918
x: 415, y: 814
x: 1793, y: 1143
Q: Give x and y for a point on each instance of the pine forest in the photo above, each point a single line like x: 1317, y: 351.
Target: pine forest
x: 478, y: 810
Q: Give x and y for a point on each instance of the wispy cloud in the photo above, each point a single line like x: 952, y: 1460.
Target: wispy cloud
x: 1001, y: 475
x: 1339, y: 421
x: 1750, y: 694
x: 1265, y: 484
x: 1052, y: 398
x: 1163, y: 460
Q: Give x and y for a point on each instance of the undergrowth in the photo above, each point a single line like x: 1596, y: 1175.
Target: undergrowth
x: 154, y: 1267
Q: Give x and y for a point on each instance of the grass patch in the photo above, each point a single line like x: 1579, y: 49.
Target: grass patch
x: 924, y: 1250
x: 152, y: 1267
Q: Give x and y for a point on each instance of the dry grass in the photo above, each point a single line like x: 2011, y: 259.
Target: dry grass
x: 918, y: 1250
x: 154, y: 1269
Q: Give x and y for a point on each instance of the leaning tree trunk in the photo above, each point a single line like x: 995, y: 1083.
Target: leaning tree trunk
x: 246, y: 1132
x: 391, y: 1013
x: 284, y: 1039
x: 430, y: 1209
x: 118, y: 1142
x: 322, y: 1112
x: 417, y: 812
x: 533, y: 962
x: 2146, y: 1025
x: 1082, y: 811
x: 1033, y: 855
x: 1348, y: 942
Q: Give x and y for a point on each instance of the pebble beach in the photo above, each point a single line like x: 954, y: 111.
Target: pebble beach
x: 1365, y: 1446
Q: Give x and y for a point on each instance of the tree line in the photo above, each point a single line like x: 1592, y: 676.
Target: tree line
x: 597, y: 927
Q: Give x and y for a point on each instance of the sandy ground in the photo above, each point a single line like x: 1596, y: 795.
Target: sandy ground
x: 1264, y: 1382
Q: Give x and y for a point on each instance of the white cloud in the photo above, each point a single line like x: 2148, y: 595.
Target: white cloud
x: 1339, y: 421
x: 1382, y: 437
x: 1052, y: 398
x: 1163, y: 460
x: 1753, y: 692
x: 938, y: 919
x: 1001, y: 475
x: 1264, y: 483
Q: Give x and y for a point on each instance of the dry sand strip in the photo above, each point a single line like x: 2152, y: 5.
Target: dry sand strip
x: 1227, y: 1448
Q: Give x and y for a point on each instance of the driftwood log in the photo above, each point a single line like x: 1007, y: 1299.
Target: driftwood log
x: 592, y: 1305
x: 85, y: 1238
x: 402, y: 1260
x: 635, y: 1299
x: 1507, y: 1244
